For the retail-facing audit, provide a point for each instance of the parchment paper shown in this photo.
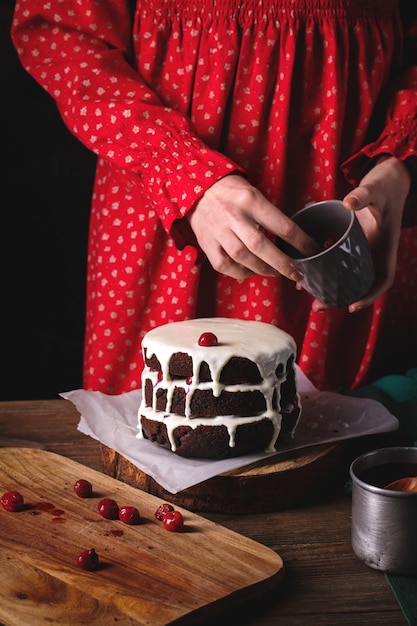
(326, 417)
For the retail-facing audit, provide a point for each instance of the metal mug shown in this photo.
(384, 522)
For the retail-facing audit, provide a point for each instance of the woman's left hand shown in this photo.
(378, 202)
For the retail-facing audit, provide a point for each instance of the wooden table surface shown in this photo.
(324, 582)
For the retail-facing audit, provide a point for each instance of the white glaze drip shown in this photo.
(231, 422)
(264, 344)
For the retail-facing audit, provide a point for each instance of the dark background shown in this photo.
(46, 184)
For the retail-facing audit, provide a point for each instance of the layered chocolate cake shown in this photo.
(218, 387)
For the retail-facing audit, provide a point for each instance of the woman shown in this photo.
(213, 123)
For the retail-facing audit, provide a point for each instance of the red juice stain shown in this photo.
(114, 533)
(44, 506)
(48, 507)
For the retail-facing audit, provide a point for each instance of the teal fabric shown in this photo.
(405, 591)
(404, 409)
(399, 388)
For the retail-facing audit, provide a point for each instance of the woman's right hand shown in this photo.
(230, 221)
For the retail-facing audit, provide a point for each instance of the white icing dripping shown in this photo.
(264, 344)
(231, 422)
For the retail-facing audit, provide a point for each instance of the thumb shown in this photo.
(357, 199)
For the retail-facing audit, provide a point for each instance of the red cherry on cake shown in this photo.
(207, 340)
(173, 521)
(88, 560)
(108, 508)
(162, 510)
(83, 488)
(129, 515)
(12, 501)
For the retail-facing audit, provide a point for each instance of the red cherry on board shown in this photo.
(108, 508)
(129, 515)
(83, 488)
(88, 560)
(162, 510)
(173, 521)
(12, 501)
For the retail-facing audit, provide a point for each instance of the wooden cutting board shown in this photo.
(147, 575)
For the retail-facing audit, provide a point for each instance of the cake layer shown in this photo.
(235, 371)
(203, 403)
(210, 440)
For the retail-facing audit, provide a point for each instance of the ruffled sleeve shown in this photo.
(79, 52)
(398, 128)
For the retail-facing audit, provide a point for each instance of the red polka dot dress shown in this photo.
(282, 91)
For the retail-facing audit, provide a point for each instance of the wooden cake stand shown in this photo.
(289, 480)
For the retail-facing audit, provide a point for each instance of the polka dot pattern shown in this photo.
(281, 91)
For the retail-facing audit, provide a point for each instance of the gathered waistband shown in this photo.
(349, 9)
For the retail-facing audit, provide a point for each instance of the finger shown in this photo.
(364, 302)
(382, 283)
(252, 248)
(318, 306)
(358, 199)
(352, 203)
(223, 264)
(280, 225)
(379, 288)
(256, 252)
